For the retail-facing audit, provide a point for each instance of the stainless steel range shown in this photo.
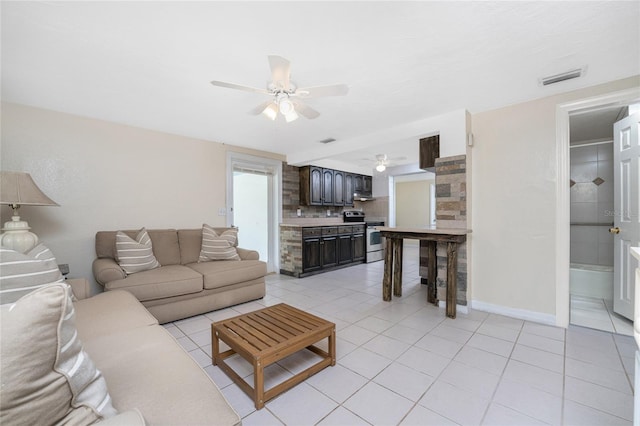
(374, 241)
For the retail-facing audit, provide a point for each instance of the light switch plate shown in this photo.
(222, 212)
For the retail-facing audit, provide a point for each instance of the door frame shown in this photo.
(275, 200)
(563, 111)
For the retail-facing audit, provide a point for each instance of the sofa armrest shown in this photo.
(80, 287)
(126, 418)
(246, 254)
(106, 270)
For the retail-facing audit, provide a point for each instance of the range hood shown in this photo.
(362, 196)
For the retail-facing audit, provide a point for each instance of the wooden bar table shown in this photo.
(393, 259)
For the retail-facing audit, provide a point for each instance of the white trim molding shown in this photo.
(523, 314)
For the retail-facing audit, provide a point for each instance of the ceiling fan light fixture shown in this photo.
(291, 116)
(286, 106)
(381, 167)
(271, 111)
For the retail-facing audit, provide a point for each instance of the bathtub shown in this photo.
(591, 280)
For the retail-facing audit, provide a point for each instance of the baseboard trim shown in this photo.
(459, 308)
(514, 312)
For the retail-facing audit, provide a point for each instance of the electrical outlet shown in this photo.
(299, 212)
(222, 212)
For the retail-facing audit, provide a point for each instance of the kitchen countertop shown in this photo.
(426, 230)
(307, 222)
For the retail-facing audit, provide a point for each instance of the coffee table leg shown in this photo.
(215, 346)
(332, 346)
(258, 384)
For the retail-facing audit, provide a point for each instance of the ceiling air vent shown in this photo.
(561, 77)
(328, 140)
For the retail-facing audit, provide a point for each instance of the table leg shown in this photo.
(452, 272)
(215, 343)
(388, 270)
(432, 273)
(397, 267)
(258, 384)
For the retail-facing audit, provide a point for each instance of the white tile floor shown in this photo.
(403, 362)
(598, 314)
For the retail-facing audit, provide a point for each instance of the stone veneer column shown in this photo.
(451, 212)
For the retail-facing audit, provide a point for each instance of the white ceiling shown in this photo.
(149, 64)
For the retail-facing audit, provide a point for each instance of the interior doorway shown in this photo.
(563, 220)
(592, 187)
(254, 204)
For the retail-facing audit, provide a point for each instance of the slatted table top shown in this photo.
(268, 330)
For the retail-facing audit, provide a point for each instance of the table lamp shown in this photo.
(18, 189)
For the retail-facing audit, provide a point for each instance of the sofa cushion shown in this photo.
(135, 255)
(191, 243)
(220, 274)
(165, 245)
(182, 394)
(166, 281)
(46, 374)
(218, 246)
(21, 273)
(110, 312)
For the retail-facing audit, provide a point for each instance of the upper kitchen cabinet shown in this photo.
(311, 185)
(328, 187)
(349, 189)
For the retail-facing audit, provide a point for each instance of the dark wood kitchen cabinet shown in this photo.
(349, 189)
(311, 249)
(358, 240)
(338, 188)
(328, 187)
(345, 245)
(311, 186)
(329, 247)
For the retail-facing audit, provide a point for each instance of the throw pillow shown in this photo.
(47, 377)
(21, 273)
(135, 255)
(218, 247)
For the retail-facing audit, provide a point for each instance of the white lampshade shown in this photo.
(271, 111)
(16, 189)
(293, 115)
(286, 107)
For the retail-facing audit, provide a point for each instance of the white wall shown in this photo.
(107, 176)
(514, 175)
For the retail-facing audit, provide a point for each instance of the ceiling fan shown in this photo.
(285, 95)
(382, 161)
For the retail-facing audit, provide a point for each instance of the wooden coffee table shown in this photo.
(266, 336)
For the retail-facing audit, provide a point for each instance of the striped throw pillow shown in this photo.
(218, 247)
(46, 374)
(135, 255)
(21, 273)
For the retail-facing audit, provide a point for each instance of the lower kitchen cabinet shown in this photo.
(324, 248)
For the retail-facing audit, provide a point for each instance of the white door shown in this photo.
(626, 152)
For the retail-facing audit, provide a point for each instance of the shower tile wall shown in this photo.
(592, 203)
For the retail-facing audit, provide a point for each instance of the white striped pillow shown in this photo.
(218, 247)
(21, 273)
(46, 374)
(135, 255)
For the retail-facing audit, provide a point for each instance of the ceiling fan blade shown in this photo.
(280, 71)
(239, 87)
(306, 110)
(320, 91)
(260, 108)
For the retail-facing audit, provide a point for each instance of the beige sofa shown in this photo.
(181, 287)
(145, 368)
